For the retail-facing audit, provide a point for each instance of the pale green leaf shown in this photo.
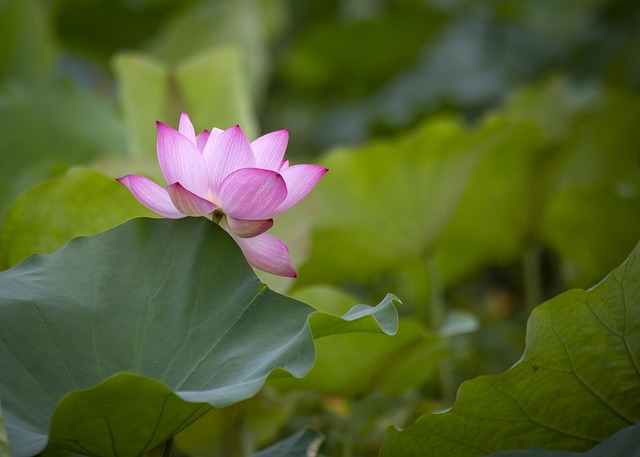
(216, 91)
(144, 98)
(49, 215)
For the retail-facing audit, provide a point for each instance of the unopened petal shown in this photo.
(248, 228)
(189, 203)
(151, 195)
(269, 149)
(252, 193)
(300, 179)
(201, 139)
(225, 153)
(186, 128)
(180, 160)
(266, 252)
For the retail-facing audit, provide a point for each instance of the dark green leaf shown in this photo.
(577, 383)
(621, 444)
(4, 444)
(151, 319)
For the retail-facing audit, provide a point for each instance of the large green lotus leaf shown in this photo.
(342, 368)
(387, 203)
(303, 443)
(153, 319)
(621, 444)
(577, 383)
(4, 444)
(43, 219)
(493, 217)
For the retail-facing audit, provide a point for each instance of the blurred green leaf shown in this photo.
(303, 443)
(243, 25)
(231, 431)
(216, 90)
(577, 383)
(342, 368)
(385, 204)
(96, 29)
(591, 228)
(49, 215)
(46, 128)
(385, 44)
(28, 49)
(211, 87)
(621, 444)
(595, 181)
(159, 318)
(494, 216)
(143, 94)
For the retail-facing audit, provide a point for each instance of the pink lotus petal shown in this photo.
(151, 195)
(252, 193)
(269, 149)
(186, 128)
(248, 228)
(201, 139)
(300, 179)
(189, 203)
(284, 165)
(266, 252)
(180, 160)
(225, 153)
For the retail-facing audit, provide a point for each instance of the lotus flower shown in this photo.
(222, 176)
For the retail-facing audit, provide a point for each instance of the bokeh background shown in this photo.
(484, 157)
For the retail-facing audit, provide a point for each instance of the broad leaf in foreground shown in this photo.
(621, 444)
(117, 341)
(577, 383)
(4, 446)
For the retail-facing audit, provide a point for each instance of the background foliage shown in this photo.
(484, 158)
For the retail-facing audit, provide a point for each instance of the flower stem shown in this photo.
(437, 308)
(167, 448)
(531, 277)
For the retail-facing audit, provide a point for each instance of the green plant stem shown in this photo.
(437, 310)
(531, 277)
(167, 448)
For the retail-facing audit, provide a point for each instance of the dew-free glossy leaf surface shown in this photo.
(164, 309)
(577, 383)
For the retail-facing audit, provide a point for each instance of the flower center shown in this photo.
(217, 215)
